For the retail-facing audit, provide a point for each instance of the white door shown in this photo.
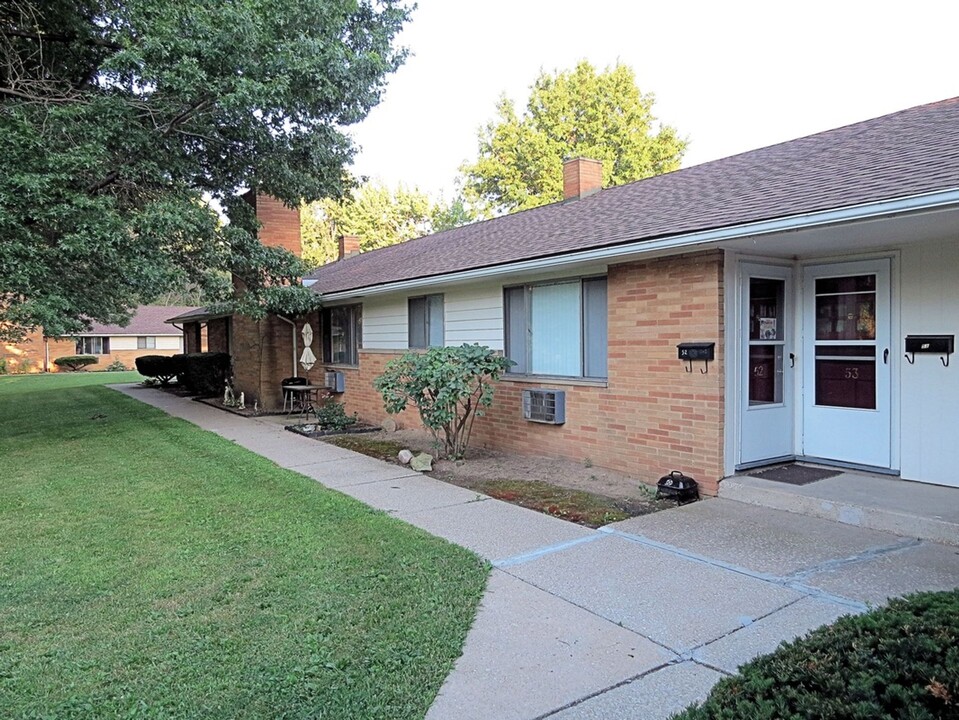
(767, 382)
(846, 365)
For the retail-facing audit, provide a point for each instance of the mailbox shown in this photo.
(937, 344)
(697, 351)
(941, 345)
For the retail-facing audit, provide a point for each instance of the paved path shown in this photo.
(639, 618)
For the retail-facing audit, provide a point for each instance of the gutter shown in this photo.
(928, 201)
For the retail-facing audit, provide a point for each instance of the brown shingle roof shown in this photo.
(147, 320)
(906, 153)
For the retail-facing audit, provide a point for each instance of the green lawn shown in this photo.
(152, 569)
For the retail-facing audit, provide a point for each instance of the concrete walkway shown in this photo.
(638, 619)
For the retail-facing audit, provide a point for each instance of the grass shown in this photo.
(150, 569)
(379, 449)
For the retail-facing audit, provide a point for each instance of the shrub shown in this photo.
(162, 367)
(331, 415)
(901, 661)
(205, 373)
(449, 386)
(116, 366)
(75, 362)
(3, 366)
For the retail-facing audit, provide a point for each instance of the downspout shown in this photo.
(293, 329)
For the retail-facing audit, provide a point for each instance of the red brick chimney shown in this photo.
(279, 225)
(581, 178)
(349, 245)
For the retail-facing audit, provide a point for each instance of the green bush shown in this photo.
(901, 661)
(3, 366)
(75, 362)
(116, 366)
(331, 415)
(162, 367)
(206, 373)
(449, 386)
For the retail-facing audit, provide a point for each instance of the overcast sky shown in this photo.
(730, 76)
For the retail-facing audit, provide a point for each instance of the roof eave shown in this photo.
(669, 243)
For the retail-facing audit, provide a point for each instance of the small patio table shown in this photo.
(303, 399)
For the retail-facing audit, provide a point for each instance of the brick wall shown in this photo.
(653, 416)
(127, 357)
(218, 335)
(29, 355)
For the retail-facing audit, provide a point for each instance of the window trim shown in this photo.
(326, 338)
(104, 344)
(146, 342)
(427, 320)
(583, 330)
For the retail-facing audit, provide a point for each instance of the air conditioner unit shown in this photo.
(335, 381)
(545, 406)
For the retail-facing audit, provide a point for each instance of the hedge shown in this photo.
(900, 661)
(162, 367)
(205, 373)
(75, 362)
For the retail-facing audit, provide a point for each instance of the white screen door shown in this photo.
(767, 397)
(846, 378)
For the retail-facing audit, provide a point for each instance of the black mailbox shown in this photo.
(938, 344)
(697, 351)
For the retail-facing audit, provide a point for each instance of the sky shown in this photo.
(730, 76)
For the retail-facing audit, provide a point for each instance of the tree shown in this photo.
(118, 118)
(603, 116)
(377, 215)
(454, 215)
(450, 386)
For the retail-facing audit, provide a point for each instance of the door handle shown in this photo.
(792, 360)
(885, 356)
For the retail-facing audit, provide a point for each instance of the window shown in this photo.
(93, 346)
(342, 334)
(557, 328)
(146, 343)
(426, 321)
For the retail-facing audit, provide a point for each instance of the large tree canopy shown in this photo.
(603, 116)
(118, 117)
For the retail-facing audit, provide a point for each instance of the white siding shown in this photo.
(122, 342)
(384, 323)
(475, 315)
(472, 314)
(169, 343)
(930, 392)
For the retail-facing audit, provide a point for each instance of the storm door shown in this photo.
(846, 368)
(767, 392)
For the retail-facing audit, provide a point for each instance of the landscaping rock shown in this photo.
(389, 425)
(422, 462)
(404, 456)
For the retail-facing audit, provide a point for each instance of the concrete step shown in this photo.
(910, 509)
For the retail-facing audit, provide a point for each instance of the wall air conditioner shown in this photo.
(335, 381)
(544, 406)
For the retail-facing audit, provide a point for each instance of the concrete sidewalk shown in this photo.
(639, 618)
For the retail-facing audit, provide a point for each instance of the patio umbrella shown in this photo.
(307, 359)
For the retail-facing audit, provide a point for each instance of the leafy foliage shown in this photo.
(116, 366)
(376, 214)
(75, 362)
(449, 386)
(901, 661)
(205, 373)
(331, 415)
(162, 367)
(118, 118)
(603, 116)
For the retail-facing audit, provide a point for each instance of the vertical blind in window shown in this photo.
(558, 328)
(426, 327)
